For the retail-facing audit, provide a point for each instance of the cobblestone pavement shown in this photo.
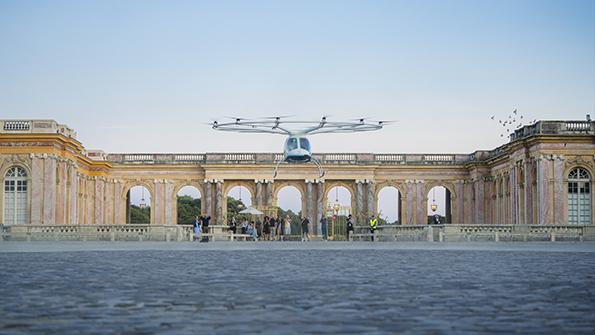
(294, 288)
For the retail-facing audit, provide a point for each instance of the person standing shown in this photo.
(273, 224)
(196, 226)
(266, 228)
(305, 230)
(233, 225)
(349, 227)
(373, 225)
(323, 227)
(258, 227)
(205, 227)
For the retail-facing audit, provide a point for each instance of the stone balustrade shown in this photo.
(432, 233)
(35, 127)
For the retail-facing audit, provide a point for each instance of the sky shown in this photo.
(145, 76)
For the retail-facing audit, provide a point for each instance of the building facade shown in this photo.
(542, 176)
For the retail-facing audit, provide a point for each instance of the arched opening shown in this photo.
(15, 196)
(138, 205)
(289, 205)
(389, 205)
(439, 205)
(187, 204)
(338, 207)
(238, 199)
(579, 197)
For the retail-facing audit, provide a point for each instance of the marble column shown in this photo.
(89, 200)
(459, 189)
(320, 206)
(513, 195)
(543, 190)
(497, 202)
(208, 198)
(219, 202)
(421, 204)
(409, 200)
(37, 164)
(73, 215)
(359, 202)
(527, 191)
(479, 201)
(117, 202)
(108, 216)
(258, 196)
(98, 201)
(61, 192)
(169, 203)
(469, 199)
(49, 190)
(560, 202)
(370, 199)
(157, 202)
(269, 194)
(310, 204)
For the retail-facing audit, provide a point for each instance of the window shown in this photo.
(15, 196)
(292, 143)
(579, 197)
(305, 144)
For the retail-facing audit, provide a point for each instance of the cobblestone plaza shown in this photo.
(295, 288)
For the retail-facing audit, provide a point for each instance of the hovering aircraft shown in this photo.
(297, 148)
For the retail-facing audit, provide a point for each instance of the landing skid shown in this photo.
(315, 161)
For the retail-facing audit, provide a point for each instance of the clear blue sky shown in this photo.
(143, 76)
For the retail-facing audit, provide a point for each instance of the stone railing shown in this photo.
(477, 232)
(128, 232)
(271, 158)
(554, 128)
(432, 233)
(35, 127)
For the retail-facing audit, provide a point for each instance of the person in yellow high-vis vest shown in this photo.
(373, 225)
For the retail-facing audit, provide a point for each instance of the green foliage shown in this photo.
(234, 207)
(140, 215)
(188, 208)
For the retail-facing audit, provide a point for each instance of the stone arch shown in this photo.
(227, 187)
(451, 206)
(397, 185)
(329, 185)
(126, 187)
(300, 186)
(179, 185)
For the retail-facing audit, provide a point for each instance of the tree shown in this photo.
(140, 215)
(234, 207)
(188, 208)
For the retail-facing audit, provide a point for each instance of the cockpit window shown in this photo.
(305, 144)
(292, 143)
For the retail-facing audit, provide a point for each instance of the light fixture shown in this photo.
(434, 206)
(143, 203)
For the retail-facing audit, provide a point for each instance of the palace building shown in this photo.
(543, 176)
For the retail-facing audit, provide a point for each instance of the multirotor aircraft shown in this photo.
(297, 147)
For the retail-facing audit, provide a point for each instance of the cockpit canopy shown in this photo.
(294, 143)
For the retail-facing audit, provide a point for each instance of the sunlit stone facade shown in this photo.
(526, 181)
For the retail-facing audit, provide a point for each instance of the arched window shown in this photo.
(15, 196)
(579, 197)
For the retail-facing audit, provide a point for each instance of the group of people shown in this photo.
(200, 226)
(269, 229)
